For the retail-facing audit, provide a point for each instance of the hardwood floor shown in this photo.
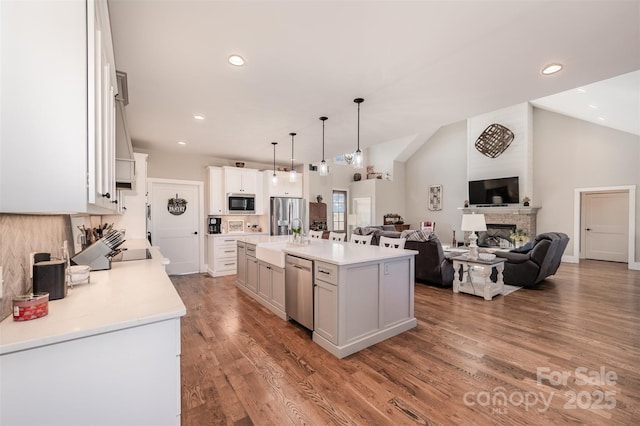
(469, 361)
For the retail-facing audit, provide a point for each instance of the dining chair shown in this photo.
(315, 234)
(361, 239)
(336, 236)
(392, 242)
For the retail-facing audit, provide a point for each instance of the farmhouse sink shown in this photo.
(271, 253)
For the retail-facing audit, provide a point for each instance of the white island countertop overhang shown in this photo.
(336, 253)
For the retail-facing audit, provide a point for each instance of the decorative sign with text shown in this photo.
(177, 206)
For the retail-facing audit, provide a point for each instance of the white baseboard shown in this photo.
(570, 259)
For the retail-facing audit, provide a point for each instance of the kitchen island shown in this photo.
(108, 353)
(362, 294)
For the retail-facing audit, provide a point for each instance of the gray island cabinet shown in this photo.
(362, 294)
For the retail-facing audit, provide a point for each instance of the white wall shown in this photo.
(567, 154)
(517, 160)
(570, 154)
(382, 157)
(442, 160)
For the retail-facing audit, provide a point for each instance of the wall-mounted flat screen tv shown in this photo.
(494, 191)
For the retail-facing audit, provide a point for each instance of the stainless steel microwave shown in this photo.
(241, 203)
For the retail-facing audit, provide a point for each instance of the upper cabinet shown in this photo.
(240, 181)
(283, 188)
(233, 180)
(216, 195)
(58, 108)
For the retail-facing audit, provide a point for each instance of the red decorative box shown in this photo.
(30, 306)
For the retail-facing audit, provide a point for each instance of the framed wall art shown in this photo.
(235, 226)
(435, 197)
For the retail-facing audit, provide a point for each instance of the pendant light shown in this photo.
(357, 156)
(324, 168)
(274, 177)
(292, 172)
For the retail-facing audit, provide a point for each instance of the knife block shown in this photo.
(95, 256)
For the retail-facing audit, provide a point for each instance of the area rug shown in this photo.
(508, 289)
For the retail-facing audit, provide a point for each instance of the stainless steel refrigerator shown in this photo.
(283, 210)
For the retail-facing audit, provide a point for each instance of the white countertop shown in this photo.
(265, 238)
(345, 253)
(238, 234)
(129, 294)
(337, 253)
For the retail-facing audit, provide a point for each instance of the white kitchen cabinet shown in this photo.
(109, 352)
(277, 288)
(241, 277)
(264, 280)
(222, 255)
(325, 300)
(271, 285)
(260, 201)
(252, 269)
(129, 376)
(283, 188)
(261, 280)
(239, 180)
(216, 191)
(58, 108)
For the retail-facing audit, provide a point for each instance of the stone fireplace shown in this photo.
(503, 220)
(496, 235)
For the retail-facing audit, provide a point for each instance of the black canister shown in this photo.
(49, 277)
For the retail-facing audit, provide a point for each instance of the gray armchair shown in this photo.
(431, 265)
(528, 269)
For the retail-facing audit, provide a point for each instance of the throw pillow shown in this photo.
(524, 249)
(416, 235)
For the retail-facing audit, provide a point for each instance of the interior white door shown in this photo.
(173, 230)
(606, 226)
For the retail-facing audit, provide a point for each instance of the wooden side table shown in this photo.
(486, 288)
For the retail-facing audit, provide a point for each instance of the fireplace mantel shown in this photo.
(522, 217)
(501, 210)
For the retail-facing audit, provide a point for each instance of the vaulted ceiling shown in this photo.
(419, 65)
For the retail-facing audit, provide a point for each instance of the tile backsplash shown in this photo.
(21, 235)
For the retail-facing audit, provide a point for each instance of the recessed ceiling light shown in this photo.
(236, 60)
(601, 118)
(592, 106)
(581, 90)
(551, 69)
(198, 116)
(182, 143)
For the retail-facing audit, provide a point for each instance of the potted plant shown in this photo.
(525, 201)
(519, 237)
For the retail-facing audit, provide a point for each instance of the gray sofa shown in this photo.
(541, 261)
(431, 265)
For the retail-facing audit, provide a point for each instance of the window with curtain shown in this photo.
(339, 211)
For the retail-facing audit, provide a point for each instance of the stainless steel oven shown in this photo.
(241, 203)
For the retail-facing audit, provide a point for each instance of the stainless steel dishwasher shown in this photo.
(298, 284)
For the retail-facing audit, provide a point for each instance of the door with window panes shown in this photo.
(339, 219)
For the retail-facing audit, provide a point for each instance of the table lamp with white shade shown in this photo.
(352, 219)
(473, 222)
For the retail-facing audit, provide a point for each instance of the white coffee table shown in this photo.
(486, 288)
